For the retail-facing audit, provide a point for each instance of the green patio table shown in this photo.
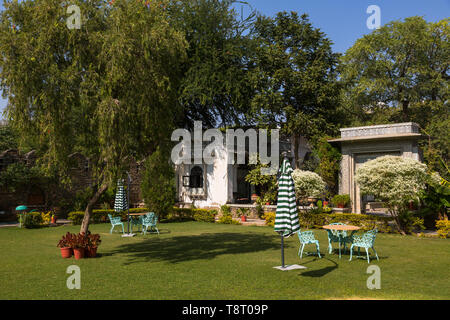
(339, 227)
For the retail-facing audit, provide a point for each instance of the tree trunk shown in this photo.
(90, 205)
(405, 110)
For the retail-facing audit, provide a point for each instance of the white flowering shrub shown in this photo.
(393, 180)
(307, 184)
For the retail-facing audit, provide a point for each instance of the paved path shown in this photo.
(16, 224)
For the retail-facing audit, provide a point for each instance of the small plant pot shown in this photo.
(91, 252)
(341, 206)
(66, 252)
(78, 253)
(243, 218)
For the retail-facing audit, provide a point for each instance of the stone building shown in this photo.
(362, 144)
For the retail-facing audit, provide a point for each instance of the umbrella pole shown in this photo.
(282, 251)
(128, 215)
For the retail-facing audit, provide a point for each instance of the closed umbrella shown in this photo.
(120, 202)
(286, 218)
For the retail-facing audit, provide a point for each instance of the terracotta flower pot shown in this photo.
(78, 253)
(66, 252)
(91, 252)
(243, 218)
(341, 206)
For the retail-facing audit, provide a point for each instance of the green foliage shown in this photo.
(400, 64)
(341, 199)
(227, 216)
(295, 76)
(108, 90)
(270, 218)
(267, 184)
(18, 177)
(366, 222)
(436, 198)
(243, 212)
(410, 221)
(8, 138)
(329, 162)
(443, 228)
(216, 73)
(174, 215)
(31, 219)
(158, 184)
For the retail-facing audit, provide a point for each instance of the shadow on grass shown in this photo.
(320, 272)
(195, 247)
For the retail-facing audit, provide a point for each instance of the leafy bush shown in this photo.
(32, 219)
(204, 215)
(270, 218)
(307, 184)
(341, 199)
(175, 214)
(395, 181)
(243, 212)
(443, 228)
(227, 216)
(158, 184)
(366, 222)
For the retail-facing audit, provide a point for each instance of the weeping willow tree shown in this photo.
(106, 90)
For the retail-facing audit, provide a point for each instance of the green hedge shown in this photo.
(31, 219)
(311, 220)
(366, 222)
(176, 214)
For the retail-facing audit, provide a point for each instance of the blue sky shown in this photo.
(344, 21)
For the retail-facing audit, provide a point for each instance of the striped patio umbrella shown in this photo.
(120, 202)
(286, 218)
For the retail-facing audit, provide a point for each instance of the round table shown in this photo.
(340, 227)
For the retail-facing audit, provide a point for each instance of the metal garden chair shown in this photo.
(365, 241)
(337, 236)
(149, 220)
(307, 237)
(115, 221)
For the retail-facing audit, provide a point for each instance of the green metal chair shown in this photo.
(337, 236)
(149, 220)
(307, 237)
(115, 221)
(365, 241)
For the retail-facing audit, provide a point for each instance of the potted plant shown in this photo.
(341, 200)
(243, 212)
(79, 245)
(93, 243)
(66, 245)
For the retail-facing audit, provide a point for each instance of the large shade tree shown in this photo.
(400, 72)
(215, 87)
(106, 90)
(294, 74)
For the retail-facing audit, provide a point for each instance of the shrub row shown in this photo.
(176, 214)
(443, 228)
(310, 220)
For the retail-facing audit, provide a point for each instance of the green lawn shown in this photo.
(196, 260)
